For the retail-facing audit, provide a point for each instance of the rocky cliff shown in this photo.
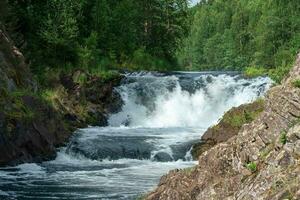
(29, 128)
(33, 123)
(261, 162)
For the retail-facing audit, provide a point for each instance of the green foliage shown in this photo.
(100, 33)
(266, 151)
(294, 122)
(80, 78)
(251, 166)
(234, 34)
(49, 95)
(238, 119)
(88, 53)
(52, 30)
(252, 72)
(14, 106)
(277, 74)
(56, 98)
(3, 11)
(49, 77)
(141, 60)
(154, 35)
(105, 74)
(283, 138)
(296, 83)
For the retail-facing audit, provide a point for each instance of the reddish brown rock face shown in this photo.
(261, 162)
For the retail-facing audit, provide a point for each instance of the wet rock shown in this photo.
(94, 95)
(162, 157)
(180, 150)
(32, 139)
(112, 147)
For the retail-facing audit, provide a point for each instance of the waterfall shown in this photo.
(162, 117)
(185, 100)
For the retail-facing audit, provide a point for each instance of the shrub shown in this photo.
(276, 74)
(14, 107)
(283, 138)
(141, 59)
(279, 73)
(266, 151)
(252, 166)
(51, 96)
(80, 78)
(104, 74)
(244, 115)
(252, 72)
(296, 83)
(237, 120)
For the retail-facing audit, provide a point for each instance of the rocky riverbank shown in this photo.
(228, 126)
(260, 162)
(34, 122)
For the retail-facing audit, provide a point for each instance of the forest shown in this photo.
(99, 33)
(257, 36)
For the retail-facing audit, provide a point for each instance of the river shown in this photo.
(162, 117)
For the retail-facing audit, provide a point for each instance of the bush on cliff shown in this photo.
(276, 74)
(251, 72)
(296, 83)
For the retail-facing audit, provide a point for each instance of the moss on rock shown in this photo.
(229, 125)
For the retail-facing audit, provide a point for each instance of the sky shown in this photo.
(194, 2)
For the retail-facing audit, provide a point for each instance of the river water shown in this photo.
(162, 117)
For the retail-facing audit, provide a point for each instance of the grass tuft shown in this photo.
(296, 83)
(283, 138)
(252, 72)
(252, 166)
(247, 116)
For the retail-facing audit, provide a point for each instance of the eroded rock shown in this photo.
(222, 170)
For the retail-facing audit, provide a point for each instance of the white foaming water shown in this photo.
(162, 117)
(172, 106)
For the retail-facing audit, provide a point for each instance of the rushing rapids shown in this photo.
(162, 117)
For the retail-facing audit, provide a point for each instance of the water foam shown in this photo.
(152, 101)
(163, 114)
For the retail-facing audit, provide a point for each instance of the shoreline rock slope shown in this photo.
(261, 162)
(31, 128)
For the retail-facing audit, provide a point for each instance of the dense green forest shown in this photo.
(157, 35)
(103, 34)
(235, 34)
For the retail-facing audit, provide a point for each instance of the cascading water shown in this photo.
(162, 117)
